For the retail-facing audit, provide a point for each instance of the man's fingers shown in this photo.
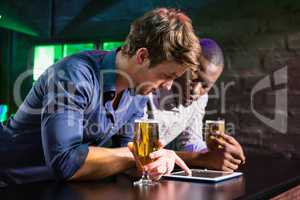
(227, 169)
(236, 145)
(235, 151)
(231, 165)
(161, 143)
(224, 138)
(182, 165)
(239, 156)
(233, 160)
(170, 167)
(161, 169)
(157, 154)
(164, 163)
(154, 164)
(221, 142)
(212, 144)
(229, 139)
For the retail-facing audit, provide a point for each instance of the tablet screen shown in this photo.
(203, 173)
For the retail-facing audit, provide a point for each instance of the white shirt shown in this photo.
(180, 127)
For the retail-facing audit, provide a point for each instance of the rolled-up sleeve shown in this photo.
(68, 91)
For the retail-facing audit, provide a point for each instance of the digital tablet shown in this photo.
(204, 175)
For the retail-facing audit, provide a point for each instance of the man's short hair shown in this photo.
(212, 52)
(168, 35)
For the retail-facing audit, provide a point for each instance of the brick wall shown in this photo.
(256, 46)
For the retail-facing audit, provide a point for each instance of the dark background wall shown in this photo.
(264, 39)
(258, 38)
(16, 58)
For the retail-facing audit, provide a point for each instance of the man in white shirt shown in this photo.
(180, 112)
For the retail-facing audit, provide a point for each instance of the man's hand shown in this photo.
(221, 160)
(228, 157)
(164, 162)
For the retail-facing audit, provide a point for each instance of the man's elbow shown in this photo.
(64, 170)
(67, 164)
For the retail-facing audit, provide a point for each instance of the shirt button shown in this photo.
(113, 128)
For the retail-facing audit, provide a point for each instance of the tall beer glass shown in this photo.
(213, 129)
(145, 141)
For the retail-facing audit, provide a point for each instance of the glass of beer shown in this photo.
(145, 142)
(213, 129)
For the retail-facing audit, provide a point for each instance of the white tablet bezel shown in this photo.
(217, 179)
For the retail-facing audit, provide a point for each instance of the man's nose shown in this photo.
(167, 85)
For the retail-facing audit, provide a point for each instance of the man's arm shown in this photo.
(103, 162)
(190, 144)
(66, 153)
(211, 160)
(228, 158)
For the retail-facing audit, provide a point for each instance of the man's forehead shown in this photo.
(210, 69)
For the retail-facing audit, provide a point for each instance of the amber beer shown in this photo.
(213, 128)
(145, 139)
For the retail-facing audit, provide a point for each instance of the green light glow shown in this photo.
(3, 112)
(107, 46)
(43, 58)
(70, 49)
(16, 24)
(47, 55)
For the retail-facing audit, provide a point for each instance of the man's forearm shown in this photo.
(218, 160)
(103, 162)
(194, 159)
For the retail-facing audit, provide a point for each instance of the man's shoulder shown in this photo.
(88, 59)
(91, 54)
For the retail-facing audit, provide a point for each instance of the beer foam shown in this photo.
(145, 121)
(214, 121)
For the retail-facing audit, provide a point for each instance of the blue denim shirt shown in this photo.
(68, 109)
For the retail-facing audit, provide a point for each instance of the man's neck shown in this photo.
(123, 71)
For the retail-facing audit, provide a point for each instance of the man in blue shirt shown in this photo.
(78, 105)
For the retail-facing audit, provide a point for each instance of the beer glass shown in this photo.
(145, 141)
(213, 129)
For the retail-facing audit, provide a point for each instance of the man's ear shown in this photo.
(142, 56)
